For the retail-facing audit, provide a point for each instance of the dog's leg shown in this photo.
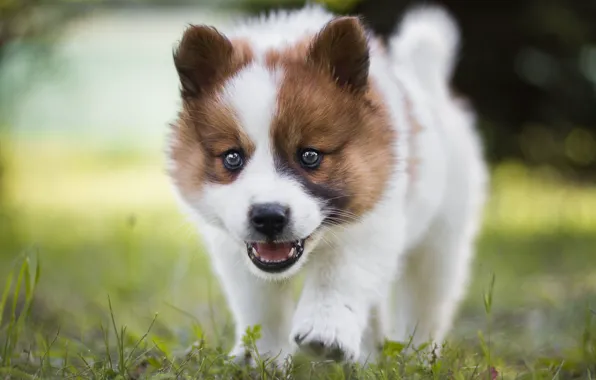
(342, 287)
(254, 301)
(432, 284)
(375, 334)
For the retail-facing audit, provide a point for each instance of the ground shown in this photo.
(95, 239)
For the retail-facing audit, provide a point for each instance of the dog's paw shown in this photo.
(332, 336)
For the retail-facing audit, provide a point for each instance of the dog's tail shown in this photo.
(425, 44)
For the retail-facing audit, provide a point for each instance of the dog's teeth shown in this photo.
(255, 252)
(291, 253)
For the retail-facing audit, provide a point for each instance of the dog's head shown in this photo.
(277, 146)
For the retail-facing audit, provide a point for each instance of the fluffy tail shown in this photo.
(426, 44)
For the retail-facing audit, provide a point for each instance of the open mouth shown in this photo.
(275, 257)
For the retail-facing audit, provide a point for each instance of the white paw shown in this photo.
(329, 332)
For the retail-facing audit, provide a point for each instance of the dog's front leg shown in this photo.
(255, 301)
(252, 301)
(342, 286)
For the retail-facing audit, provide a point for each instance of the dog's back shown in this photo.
(448, 177)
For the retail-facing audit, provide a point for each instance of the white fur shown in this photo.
(427, 40)
(258, 182)
(444, 210)
(403, 266)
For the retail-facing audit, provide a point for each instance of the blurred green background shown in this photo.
(87, 89)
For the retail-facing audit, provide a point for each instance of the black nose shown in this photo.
(269, 218)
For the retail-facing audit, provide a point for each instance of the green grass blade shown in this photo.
(44, 359)
(141, 339)
(29, 291)
(27, 276)
(106, 341)
(12, 330)
(119, 340)
(7, 287)
(14, 373)
(17, 290)
(37, 272)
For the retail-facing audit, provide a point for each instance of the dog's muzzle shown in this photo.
(275, 257)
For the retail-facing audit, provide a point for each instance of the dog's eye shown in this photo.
(233, 160)
(310, 158)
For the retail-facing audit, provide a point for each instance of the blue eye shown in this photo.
(310, 158)
(233, 160)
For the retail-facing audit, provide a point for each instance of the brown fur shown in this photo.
(326, 102)
(341, 50)
(293, 54)
(206, 128)
(205, 58)
(334, 112)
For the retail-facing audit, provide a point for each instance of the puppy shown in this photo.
(306, 145)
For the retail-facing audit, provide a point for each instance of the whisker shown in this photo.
(337, 214)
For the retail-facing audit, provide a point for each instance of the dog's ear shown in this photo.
(202, 59)
(341, 49)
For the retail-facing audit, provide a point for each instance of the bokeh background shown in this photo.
(87, 89)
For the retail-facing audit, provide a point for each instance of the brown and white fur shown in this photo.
(304, 145)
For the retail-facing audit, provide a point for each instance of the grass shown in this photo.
(101, 277)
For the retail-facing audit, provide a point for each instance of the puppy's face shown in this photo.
(277, 148)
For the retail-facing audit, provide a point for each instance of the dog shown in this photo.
(307, 145)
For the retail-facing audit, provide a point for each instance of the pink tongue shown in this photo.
(273, 251)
